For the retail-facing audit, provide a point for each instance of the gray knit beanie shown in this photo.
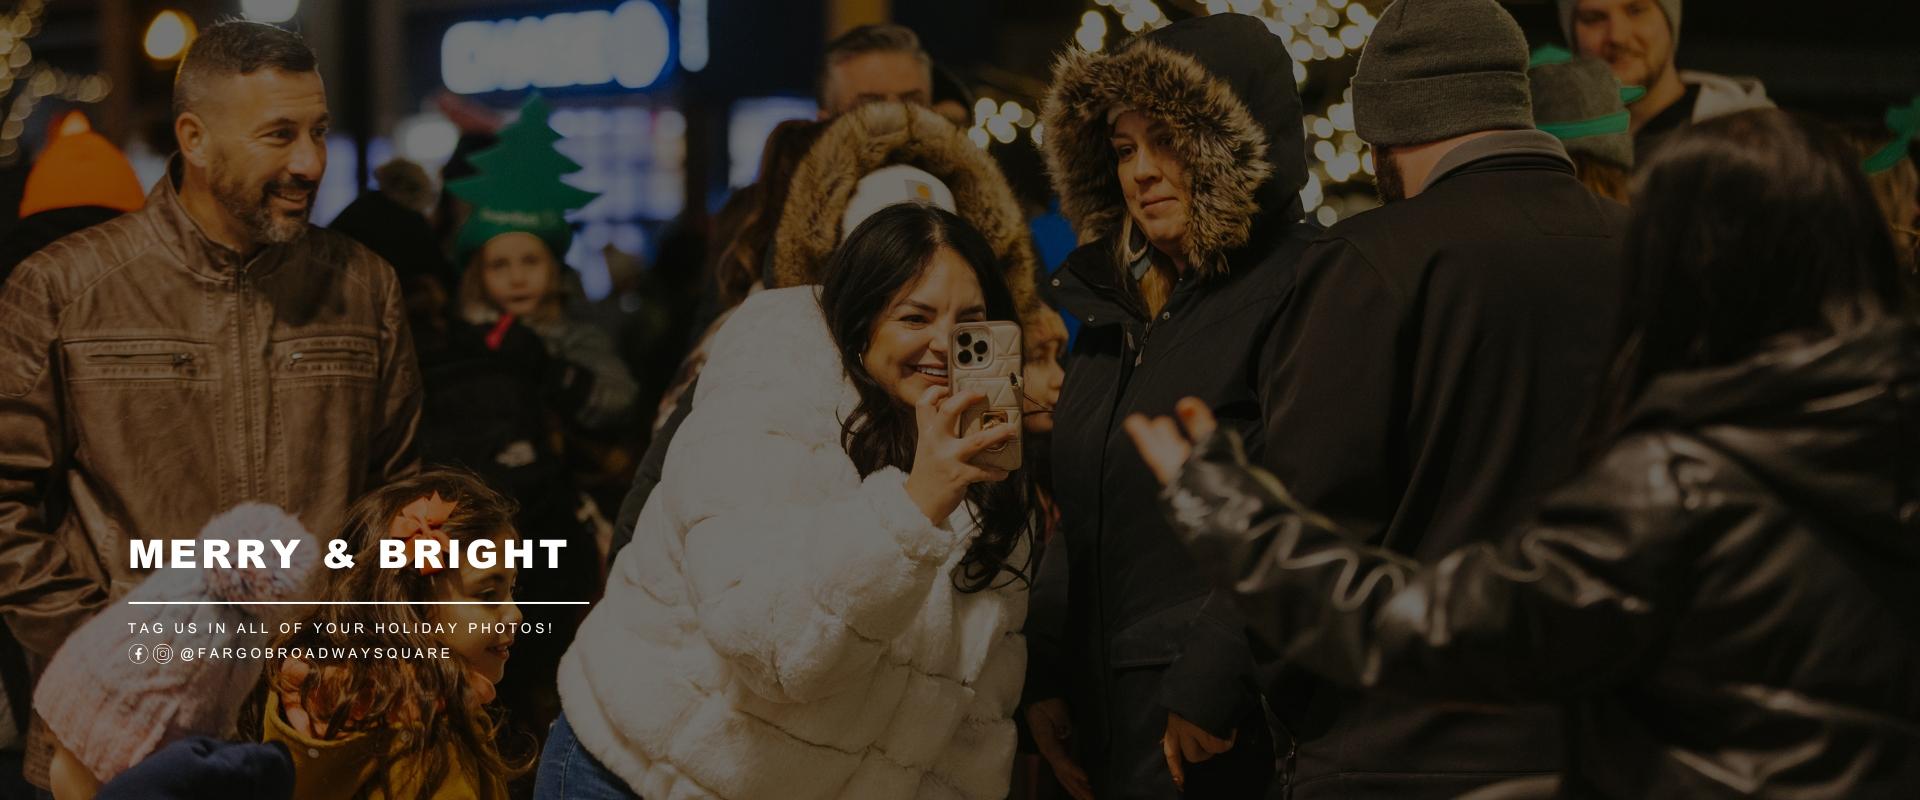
(1671, 7)
(1579, 101)
(1436, 69)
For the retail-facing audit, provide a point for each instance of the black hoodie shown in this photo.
(1724, 602)
(1122, 623)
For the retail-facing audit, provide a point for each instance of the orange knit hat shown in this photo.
(80, 168)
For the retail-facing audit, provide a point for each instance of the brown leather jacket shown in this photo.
(151, 378)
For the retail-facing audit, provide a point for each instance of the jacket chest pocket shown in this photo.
(325, 399)
(149, 361)
(147, 407)
(324, 383)
(326, 359)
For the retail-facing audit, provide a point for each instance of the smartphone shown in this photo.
(986, 357)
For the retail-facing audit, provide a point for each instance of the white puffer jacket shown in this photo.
(780, 628)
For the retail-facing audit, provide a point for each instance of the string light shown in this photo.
(34, 80)
(1092, 34)
(996, 121)
(168, 35)
(269, 11)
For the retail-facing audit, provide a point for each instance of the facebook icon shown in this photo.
(137, 653)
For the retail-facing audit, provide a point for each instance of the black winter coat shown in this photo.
(1724, 601)
(1122, 624)
(1437, 366)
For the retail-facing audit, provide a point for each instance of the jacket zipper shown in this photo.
(170, 359)
(1125, 381)
(326, 355)
(1127, 368)
(244, 313)
(1140, 350)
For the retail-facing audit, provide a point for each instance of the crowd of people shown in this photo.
(1583, 466)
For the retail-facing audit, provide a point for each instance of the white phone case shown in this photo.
(987, 357)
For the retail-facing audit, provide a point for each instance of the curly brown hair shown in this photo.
(347, 697)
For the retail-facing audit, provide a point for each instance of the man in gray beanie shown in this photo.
(1638, 39)
(1436, 367)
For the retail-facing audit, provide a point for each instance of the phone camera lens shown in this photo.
(980, 347)
(965, 357)
(966, 339)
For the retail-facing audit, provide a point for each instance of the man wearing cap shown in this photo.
(1638, 39)
(1442, 352)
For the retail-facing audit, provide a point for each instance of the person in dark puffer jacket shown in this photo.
(1179, 159)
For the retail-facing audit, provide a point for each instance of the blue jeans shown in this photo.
(569, 772)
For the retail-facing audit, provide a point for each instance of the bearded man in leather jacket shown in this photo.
(208, 349)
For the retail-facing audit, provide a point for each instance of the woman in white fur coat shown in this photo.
(823, 598)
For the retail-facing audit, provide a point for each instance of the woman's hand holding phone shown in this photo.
(941, 473)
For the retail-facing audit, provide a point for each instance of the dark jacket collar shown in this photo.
(1088, 286)
(1530, 145)
(1092, 286)
(180, 233)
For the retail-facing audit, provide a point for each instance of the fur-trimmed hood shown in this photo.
(878, 135)
(1224, 84)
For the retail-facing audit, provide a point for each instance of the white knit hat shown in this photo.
(109, 698)
(892, 185)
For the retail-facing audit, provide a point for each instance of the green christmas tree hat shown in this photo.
(517, 188)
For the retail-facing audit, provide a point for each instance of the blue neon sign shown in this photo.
(631, 46)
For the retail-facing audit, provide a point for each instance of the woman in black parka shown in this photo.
(1724, 601)
(1179, 160)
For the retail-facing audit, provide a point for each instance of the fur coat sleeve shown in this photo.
(799, 572)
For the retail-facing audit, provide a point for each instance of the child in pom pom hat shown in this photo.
(108, 697)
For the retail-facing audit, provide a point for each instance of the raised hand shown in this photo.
(941, 472)
(1163, 446)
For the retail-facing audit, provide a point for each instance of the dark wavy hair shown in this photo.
(887, 254)
(1748, 231)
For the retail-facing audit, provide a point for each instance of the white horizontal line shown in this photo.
(354, 602)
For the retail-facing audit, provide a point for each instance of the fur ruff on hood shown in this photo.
(881, 134)
(1224, 86)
